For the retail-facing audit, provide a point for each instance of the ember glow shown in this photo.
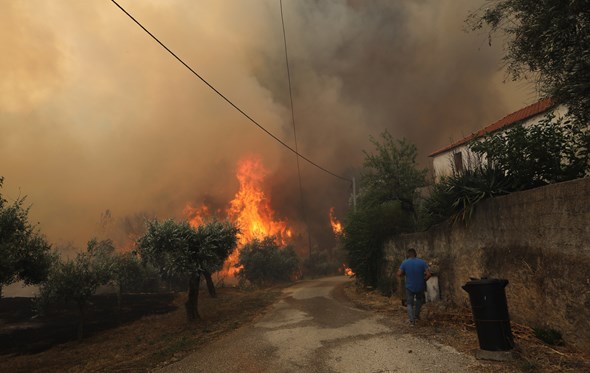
(335, 223)
(250, 209)
(346, 270)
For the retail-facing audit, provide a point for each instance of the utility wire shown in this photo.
(303, 210)
(228, 100)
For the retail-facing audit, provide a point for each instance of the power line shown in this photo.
(303, 210)
(228, 100)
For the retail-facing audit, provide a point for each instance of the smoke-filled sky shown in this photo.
(94, 115)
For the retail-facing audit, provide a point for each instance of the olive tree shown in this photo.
(25, 255)
(547, 40)
(72, 280)
(177, 249)
(121, 270)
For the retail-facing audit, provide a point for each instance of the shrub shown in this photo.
(263, 262)
(457, 196)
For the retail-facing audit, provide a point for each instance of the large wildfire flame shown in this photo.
(250, 209)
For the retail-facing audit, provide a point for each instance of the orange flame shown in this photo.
(346, 270)
(197, 215)
(250, 210)
(336, 225)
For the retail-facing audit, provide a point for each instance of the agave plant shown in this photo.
(457, 196)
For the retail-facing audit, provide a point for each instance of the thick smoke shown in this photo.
(94, 115)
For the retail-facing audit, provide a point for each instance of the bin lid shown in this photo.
(486, 281)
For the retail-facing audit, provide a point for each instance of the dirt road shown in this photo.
(313, 328)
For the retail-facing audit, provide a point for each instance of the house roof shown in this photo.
(522, 114)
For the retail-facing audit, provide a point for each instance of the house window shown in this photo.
(458, 161)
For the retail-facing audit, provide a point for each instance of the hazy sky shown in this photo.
(94, 115)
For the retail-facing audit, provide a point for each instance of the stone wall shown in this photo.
(538, 239)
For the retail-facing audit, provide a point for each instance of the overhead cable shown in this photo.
(228, 100)
(303, 210)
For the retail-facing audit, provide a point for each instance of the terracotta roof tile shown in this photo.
(522, 114)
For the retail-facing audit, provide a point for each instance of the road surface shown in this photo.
(314, 329)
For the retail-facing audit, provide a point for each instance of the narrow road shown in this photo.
(313, 328)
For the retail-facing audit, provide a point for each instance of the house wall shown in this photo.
(537, 239)
(443, 162)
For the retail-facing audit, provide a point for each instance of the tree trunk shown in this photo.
(210, 285)
(192, 302)
(81, 315)
(119, 296)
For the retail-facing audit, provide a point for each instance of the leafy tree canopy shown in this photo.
(177, 249)
(550, 151)
(25, 255)
(385, 205)
(391, 172)
(548, 39)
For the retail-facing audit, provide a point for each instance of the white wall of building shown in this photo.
(444, 164)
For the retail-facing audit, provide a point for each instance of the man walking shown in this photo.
(416, 272)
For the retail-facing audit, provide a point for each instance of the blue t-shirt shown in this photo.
(414, 269)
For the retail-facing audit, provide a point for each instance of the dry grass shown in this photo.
(151, 341)
(454, 326)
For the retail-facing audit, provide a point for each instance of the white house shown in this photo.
(457, 155)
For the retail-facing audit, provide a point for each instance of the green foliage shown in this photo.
(218, 240)
(72, 280)
(390, 173)
(366, 232)
(456, 196)
(25, 255)
(519, 158)
(124, 271)
(385, 205)
(179, 249)
(263, 262)
(549, 40)
(550, 151)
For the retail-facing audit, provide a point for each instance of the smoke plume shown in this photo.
(95, 116)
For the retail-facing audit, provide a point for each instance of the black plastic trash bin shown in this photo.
(490, 313)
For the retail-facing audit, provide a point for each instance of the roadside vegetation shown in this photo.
(550, 151)
(264, 262)
(25, 254)
(386, 205)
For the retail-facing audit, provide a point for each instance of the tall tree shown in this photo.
(177, 249)
(25, 255)
(548, 40)
(391, 173)
(385, 205)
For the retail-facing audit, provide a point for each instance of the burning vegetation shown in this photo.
(250, 210)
